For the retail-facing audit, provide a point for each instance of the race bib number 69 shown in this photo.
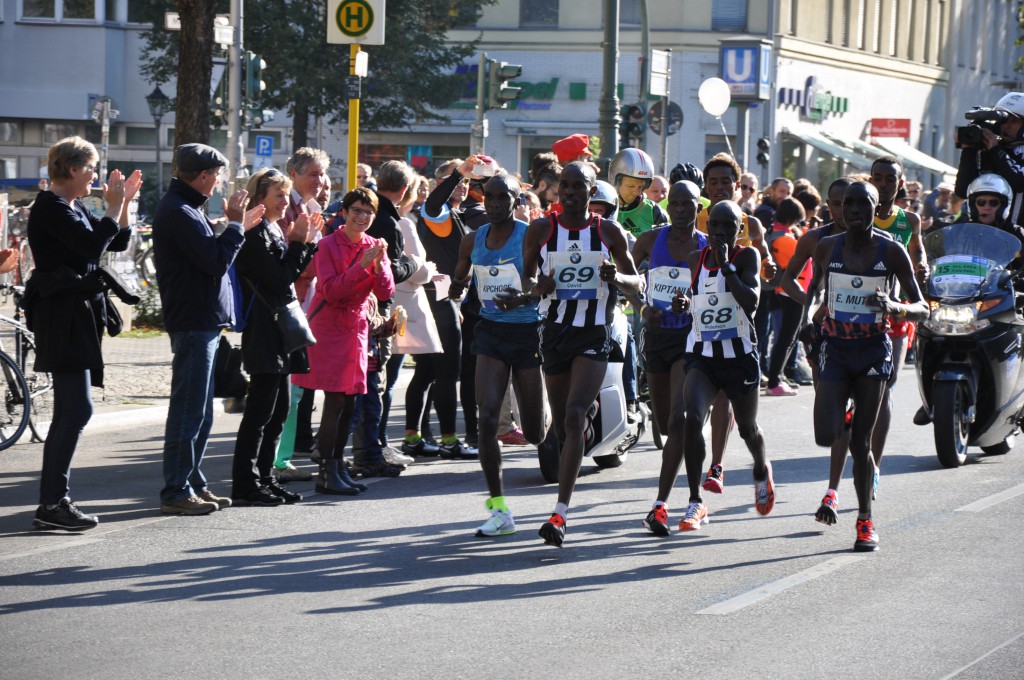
(576, 275)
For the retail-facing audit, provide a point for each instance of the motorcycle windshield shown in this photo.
(963, 256)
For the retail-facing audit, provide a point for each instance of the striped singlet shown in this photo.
(580, 298)
(721, 328)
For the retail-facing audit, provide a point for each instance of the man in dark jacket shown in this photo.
(778, 191)
(195, 292)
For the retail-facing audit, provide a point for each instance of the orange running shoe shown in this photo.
(828, 513)
(657, 521)
(764, 492)
(553, 531)
(715, 481)
(696, 514)
(867, 539)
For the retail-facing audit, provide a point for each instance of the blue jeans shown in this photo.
(394, 367)
(366, 446)
(190, 413)
(72, 408)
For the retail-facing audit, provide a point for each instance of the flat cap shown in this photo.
(197, 157)
(572, 147)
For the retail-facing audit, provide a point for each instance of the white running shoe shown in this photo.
(501, 523)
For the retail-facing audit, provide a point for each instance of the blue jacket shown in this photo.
(192, 262)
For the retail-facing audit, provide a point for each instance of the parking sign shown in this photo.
(264, 145)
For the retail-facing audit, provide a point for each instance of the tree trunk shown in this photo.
(195, 69)
(300, 126)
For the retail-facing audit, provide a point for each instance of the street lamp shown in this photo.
(158, 103)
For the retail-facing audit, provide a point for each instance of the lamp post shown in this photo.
(158, 104)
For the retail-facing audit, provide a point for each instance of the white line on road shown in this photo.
(984, 656)
(764, 592)
(989, 501)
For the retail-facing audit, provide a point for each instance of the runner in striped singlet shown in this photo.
(568, 259)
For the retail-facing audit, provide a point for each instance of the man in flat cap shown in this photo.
(191, 270)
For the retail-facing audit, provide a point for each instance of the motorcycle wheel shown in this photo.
(1001, 448)
(950, 427)
(549, 456)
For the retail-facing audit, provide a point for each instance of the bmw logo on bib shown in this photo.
(673, 273)
(493, 271)
(713, 300)
(857, 282)
(575, 258)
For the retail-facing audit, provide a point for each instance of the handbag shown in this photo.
(292, 325)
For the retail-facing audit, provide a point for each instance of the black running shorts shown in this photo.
(561, 343)
(516, 344)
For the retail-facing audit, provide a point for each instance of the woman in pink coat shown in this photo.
(349, 266)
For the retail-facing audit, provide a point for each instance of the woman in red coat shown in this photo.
(349, 266)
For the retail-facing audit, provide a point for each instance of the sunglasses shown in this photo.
(987, 202)
(746, 187)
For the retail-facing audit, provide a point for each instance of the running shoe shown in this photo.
(715, 481)
(764, 492)
(657, 521)
(459, 449)
(828, 513)
(420, 448)
(513, 437)
(867, 538)
(396, 457)
(553, 531)
(874, 484)
(501, 523)
(696, 514)
(780, 390)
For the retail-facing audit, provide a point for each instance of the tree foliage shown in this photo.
(410, 77)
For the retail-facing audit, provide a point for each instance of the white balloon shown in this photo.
(714, 96)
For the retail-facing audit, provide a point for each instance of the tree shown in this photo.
(410, 77)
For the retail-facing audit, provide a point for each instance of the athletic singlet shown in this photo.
(721, 328)
(897, 225)
(641, 218)
(665, 275)
(742, 238)
(496, 270)
(580, 297)
(847, 292)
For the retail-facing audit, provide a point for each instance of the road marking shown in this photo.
(984, 656)
(764, 592)
(49, 548)
(989, 501)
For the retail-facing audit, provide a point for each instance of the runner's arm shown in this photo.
(745, 284)
(533, 283)
(915, 309)
(463, 268)
(625, 277)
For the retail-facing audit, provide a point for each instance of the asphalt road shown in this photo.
(393, 584)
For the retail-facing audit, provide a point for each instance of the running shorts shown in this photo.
(561, 343)
(662, 347)
(515, 344)
(843, 360)
(736, 377)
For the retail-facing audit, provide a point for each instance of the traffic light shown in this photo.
(631, 126)
(763, 147)
(253, 66)
(498, 92)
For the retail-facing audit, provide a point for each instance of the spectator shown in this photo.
(658, 190)
(66, 313)
(786, 312)
(572, 148)
(268, 265)
(810, 199)
(748, 193)
(937, 203)
(365, 178)
(195, 291)
(544, 173)
(779, 189)
(350, 264)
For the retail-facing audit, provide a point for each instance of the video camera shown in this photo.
(970, 136)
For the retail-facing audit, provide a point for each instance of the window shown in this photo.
(42, 9)
(136, 13)
(94, 134)
(846, 22)
(59, 10)
(876, 37)
(10, 132)
(729, 15)
(110, 10)
(861, 21)
(79, 9)
(629, 12)
(140, 136)
(8, 169)
(54, 132)
(538, 14)
(794, 10)
(894, 14)
(830, 9)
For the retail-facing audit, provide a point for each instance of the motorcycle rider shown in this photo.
(858, 268)
(560, 250)
(631, 172)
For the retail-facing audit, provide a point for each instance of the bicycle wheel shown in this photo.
(14, 411)
(40, 390)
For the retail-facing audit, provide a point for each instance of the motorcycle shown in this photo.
(970, 349)
(609, 435)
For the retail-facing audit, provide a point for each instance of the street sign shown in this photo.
(264, 146)
(352, 87)
(675, 118)
(747, 68)
(355, 21)
(661, 69)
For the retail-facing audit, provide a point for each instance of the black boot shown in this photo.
(347, 478)
(330, 482)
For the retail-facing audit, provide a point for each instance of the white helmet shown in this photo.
(989, 183)
(1012, 103)
(605, 193)
(631, 163)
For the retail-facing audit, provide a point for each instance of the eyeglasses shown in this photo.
(746, 187)
(359, 212)
(987, 202)
(89, 168)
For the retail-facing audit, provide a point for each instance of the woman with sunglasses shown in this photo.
(747, 197)
(268, 265)
(349, 266)
(67, 242)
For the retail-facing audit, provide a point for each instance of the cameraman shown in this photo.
(1002, 154)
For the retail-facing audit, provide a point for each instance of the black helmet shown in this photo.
(687, 172)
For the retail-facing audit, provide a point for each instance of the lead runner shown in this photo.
(582, 255)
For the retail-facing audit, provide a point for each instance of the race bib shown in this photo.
(717, 317)
(960, 269)
(492, 279)
(850, 295)
(662, 284)
(576, 275)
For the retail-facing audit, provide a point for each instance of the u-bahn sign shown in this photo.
(355, 21)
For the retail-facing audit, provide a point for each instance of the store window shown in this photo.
(140, 136)
(8, 168)
(10, 132)
(538, 14)
(729, 15)
(54, 132)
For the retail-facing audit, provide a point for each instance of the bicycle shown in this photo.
(38, 384)
(14, 409)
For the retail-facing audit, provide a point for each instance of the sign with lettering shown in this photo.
(890, 127)
(355, 21)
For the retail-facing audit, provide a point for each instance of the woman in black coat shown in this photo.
(66, 311)
(268, 265)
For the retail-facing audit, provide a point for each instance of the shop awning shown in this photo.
(860, 147)
(902, 150)
(831, 148)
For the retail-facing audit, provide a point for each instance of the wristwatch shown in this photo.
(729, 268)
